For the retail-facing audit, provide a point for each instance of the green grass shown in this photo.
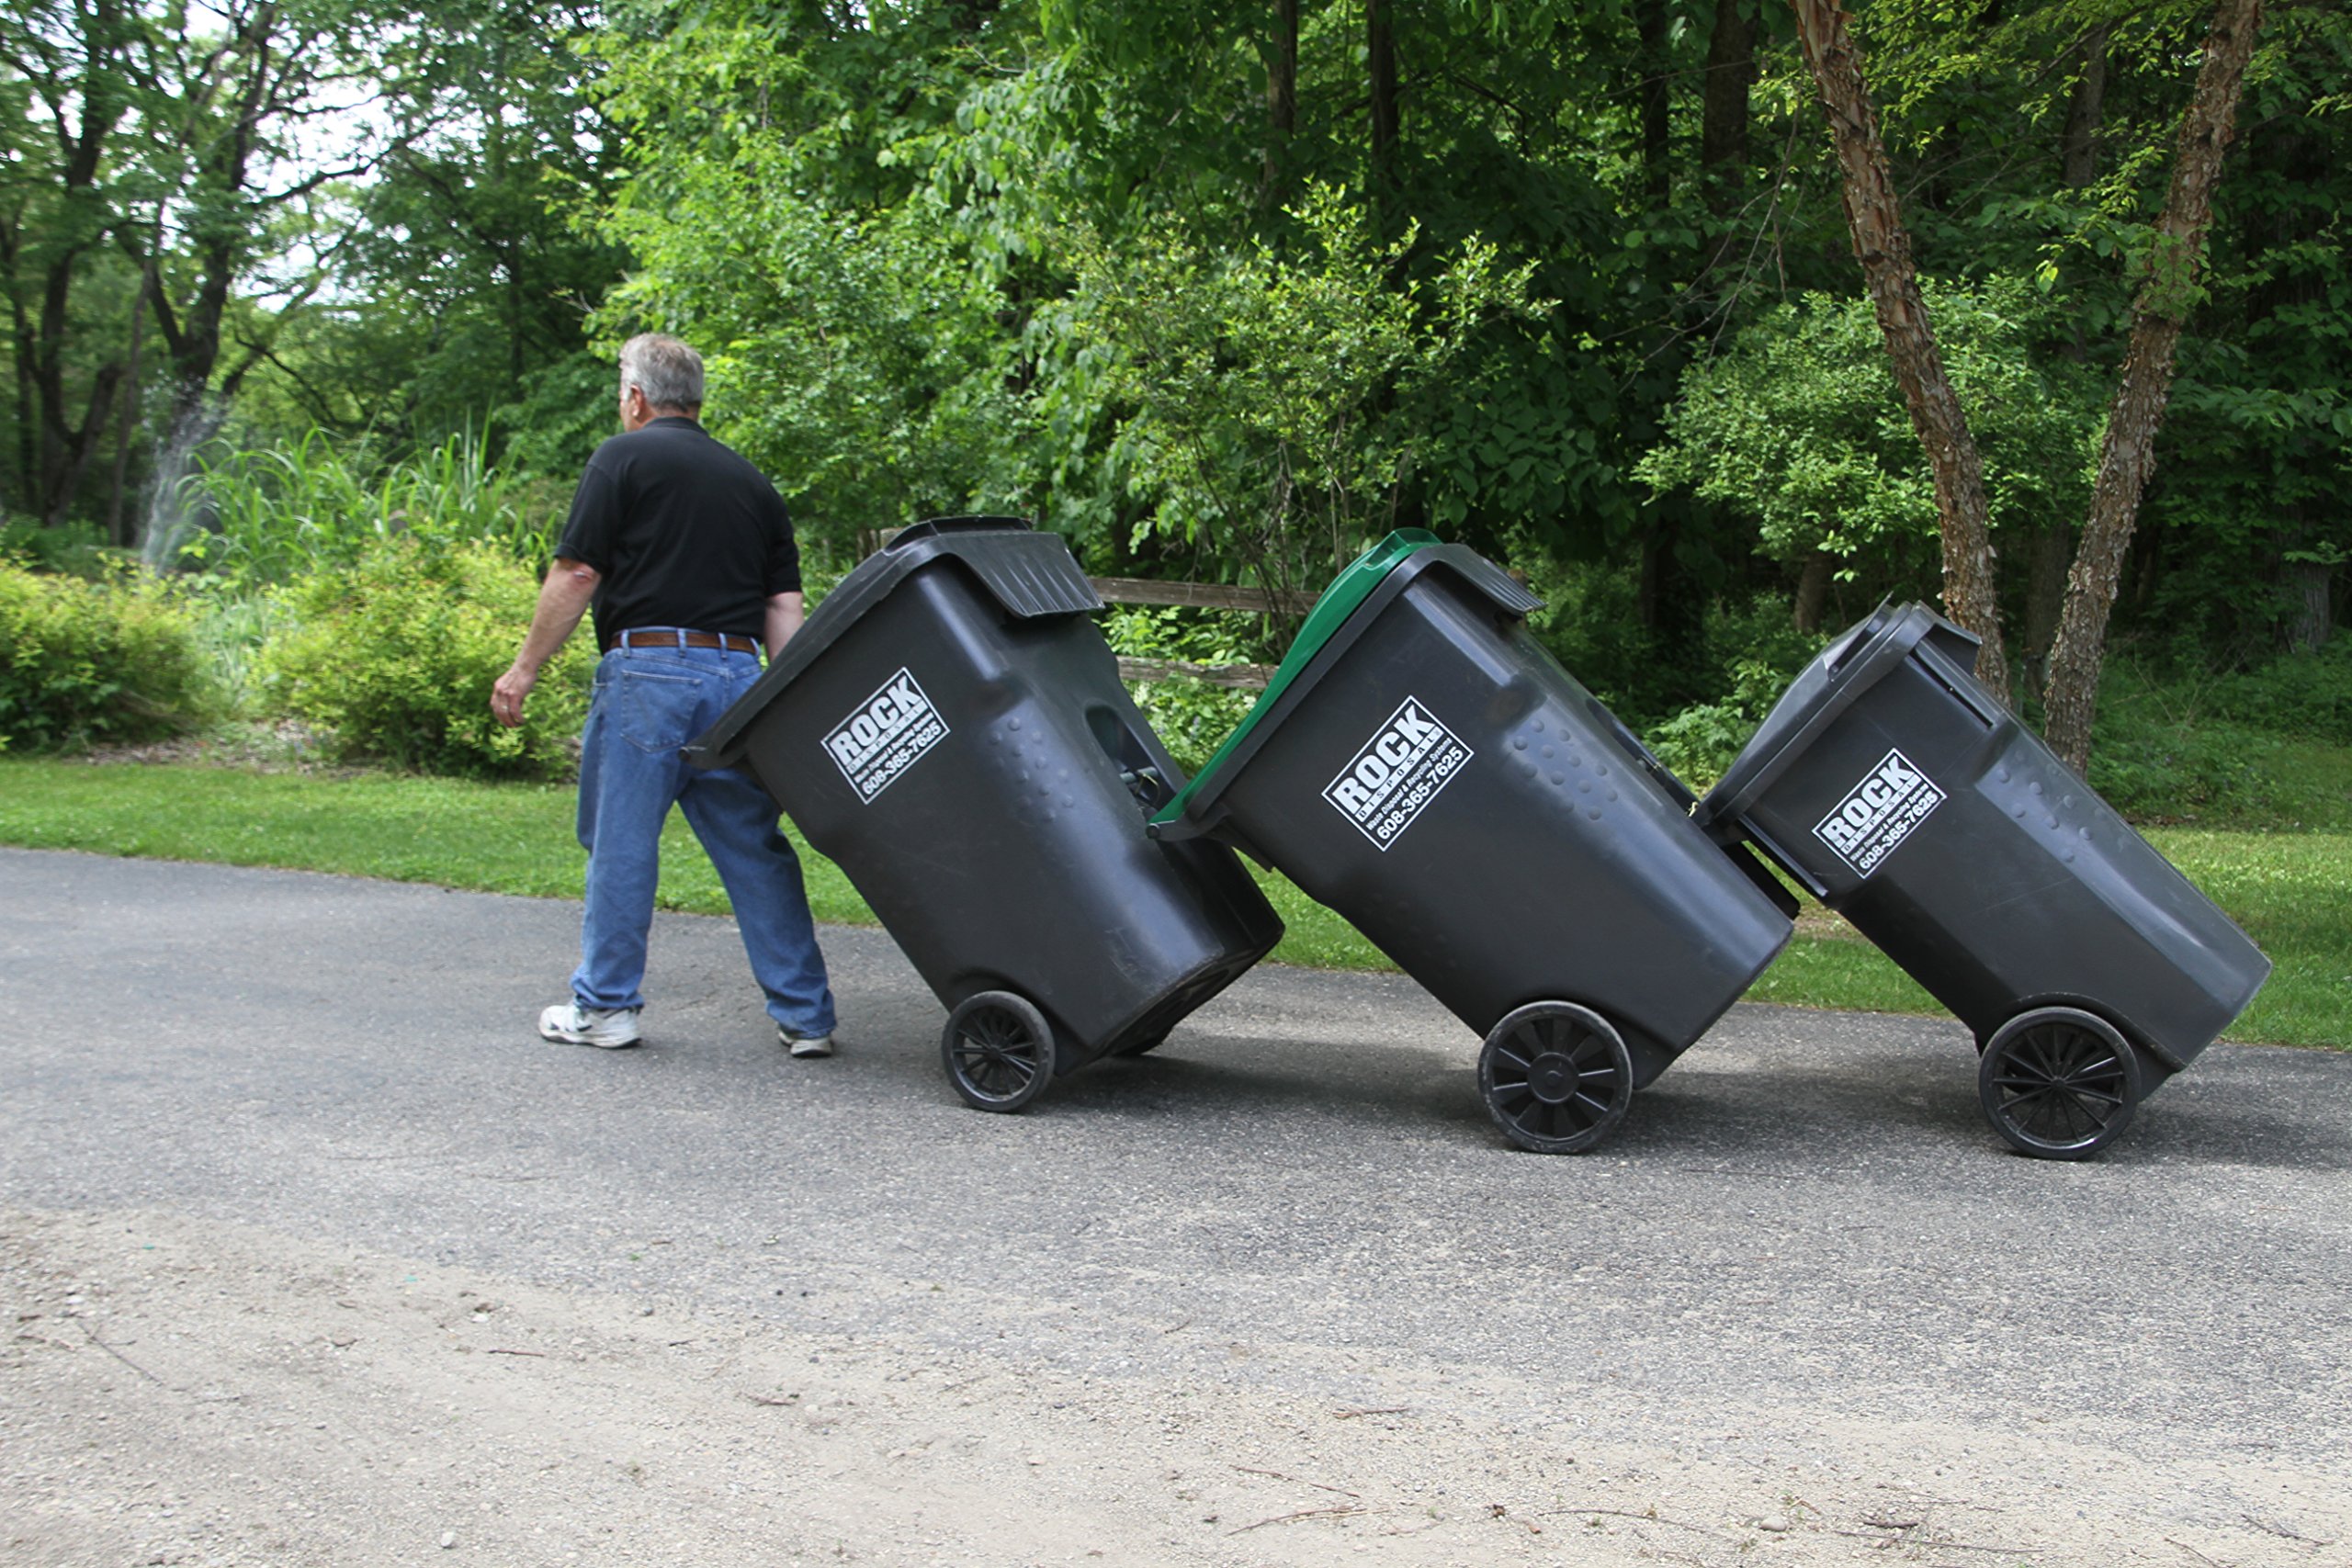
(2290, 890)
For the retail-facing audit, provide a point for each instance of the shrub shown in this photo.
(2297, 694)
(393, 658)
(1190, 716)
(1742, 664)
(81, 660)
(68, 549)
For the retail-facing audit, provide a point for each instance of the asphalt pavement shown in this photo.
(1807, 1214)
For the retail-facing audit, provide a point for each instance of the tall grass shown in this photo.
(270, 516)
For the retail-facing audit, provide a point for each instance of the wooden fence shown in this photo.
(1183, 596)
(1200, 596)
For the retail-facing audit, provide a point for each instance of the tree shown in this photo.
(464, 292)
(1791, 424)
(1883, 246)
(2159, 314)
(68, 80)
(226, 146)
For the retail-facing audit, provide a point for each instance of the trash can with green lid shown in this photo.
(1422, 766)
(1893, 787)
(950, 730)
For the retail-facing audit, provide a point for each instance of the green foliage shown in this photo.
(83, 661)
(2250, 747)
(2308, 694)
(76, 549)
(271, 515)
(392, 656)
(1260, 410)
(561, 418)
(855, 357)
(1751, 659)
(1798, 426)
(1190, 716)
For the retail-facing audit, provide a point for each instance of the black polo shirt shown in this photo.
(682, 532)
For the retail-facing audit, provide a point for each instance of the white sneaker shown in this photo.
(805, 1046)
(568, 1023)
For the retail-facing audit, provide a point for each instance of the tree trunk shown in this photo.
(1723, 125)
(116, 534)
(2158, 316)
(1281, 106)
(2314, 620)
(2052, 550)
(1884, 247)
(2086, 110)
(1653, 92)
(1813, 590)
(1380, 52)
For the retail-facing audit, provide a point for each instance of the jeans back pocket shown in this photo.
(656, 711)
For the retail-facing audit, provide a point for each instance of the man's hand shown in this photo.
(564, 599)
(513, 689)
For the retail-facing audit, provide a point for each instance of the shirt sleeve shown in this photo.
(589, 532)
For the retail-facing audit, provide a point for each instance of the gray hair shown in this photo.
(664, 370)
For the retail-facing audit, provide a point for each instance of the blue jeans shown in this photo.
(648, 704)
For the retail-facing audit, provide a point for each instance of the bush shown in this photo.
(113, 659)
(1190, 716)
(2300, 694)
(393, 658)
(68, 549)
(1737, 668)
(2184, 746)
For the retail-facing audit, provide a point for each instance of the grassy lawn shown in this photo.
(2290, 890)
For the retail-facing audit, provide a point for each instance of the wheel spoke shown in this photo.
(2058, 1082)
(1555, 1076)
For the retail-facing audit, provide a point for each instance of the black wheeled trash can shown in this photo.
(1893, 788)
(1420, 764)
(949, 729)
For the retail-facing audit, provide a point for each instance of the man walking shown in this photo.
(685, 552)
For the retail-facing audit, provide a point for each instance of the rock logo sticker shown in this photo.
(888, 734)
(1880, 813)
(1399, 770)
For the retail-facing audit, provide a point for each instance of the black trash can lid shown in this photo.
(1856, 661)
(1028, 571)
(1355, 597)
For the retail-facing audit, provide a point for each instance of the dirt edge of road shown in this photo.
(182, 1392)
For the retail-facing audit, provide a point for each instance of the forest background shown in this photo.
(312, 302)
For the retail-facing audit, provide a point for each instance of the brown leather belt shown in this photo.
(671, 637)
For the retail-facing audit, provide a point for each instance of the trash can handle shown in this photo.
(1860, 637)
(932, 527)
(1676, 791)
(1142, 772)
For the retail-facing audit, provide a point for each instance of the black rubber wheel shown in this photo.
(1555, 1078)
(2059, 1083)
(999, 1050)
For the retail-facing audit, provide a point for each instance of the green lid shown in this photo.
(1347, 590)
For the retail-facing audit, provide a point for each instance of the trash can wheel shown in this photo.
(2059, 1083)
(1557, 1078)
(998, 1050)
